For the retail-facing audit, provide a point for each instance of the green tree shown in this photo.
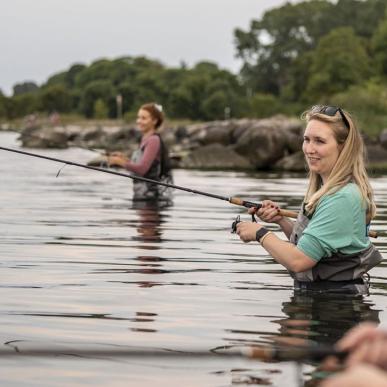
(25, 87)
(362, 15)
(100, 109)
(215, 105)
(23, 104)
(56, 98)
(66, 78)
(264, 105)
(299, 75)
(339, 61)
(273, 44)
(379, 48)
(368, 102)
(128, 93)
(3, 106)
(148, 87)
(100, 70)
(204, 92)
(101, 89)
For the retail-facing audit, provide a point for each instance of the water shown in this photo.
(81, 268)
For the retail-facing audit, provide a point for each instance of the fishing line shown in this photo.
(232, 200)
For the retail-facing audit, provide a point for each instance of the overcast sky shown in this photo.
(39, 38)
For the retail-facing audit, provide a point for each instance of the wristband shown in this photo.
(264, 237)
(260, 234)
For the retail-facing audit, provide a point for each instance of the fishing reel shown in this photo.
(235, 224)
(238, 220)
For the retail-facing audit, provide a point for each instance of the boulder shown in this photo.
(214, 156)
(376, 153)
(294, 162)
(218, 132)
(266, 141)
(383, 138)
(46, 137)
(122, 138)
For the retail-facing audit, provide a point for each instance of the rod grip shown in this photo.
(293, 353)
(288, 213)
(244, 203)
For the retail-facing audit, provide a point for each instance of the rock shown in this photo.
(240, 127)
(217, 132)
(294, 162)
(123, 139)
(264, 143)
(383, 138)
(46, 137)
(180, 133)
(376, 153)
(241, 143)
(6, 126)
(215, 156)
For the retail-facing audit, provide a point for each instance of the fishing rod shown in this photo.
(261, 353)
(232, 200)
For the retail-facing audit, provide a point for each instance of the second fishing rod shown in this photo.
(233, 200)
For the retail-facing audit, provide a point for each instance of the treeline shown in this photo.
(311, 52)
(203, 92)
(321, 52)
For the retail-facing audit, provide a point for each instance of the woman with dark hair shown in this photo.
(329, 248)
(151, 159)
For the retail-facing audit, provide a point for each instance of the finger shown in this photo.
(357, 335)
(252, 210)
(267, 203)
(377, 354)
(359, 355)
(331, 364)
(239, 228)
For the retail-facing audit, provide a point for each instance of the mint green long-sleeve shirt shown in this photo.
(338, 225)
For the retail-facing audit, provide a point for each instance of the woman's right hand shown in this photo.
(117, 154)
(116, 160)
(268, 212)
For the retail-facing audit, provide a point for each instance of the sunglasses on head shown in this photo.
(331, 111)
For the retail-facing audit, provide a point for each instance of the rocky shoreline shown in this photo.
(237, 144)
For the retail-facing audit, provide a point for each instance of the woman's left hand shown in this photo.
(247, 230)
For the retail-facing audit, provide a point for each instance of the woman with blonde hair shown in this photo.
(330, 249)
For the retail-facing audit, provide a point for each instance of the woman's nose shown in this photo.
(309, 147)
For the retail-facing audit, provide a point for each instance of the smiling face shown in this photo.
(145, 122)
(320, 148)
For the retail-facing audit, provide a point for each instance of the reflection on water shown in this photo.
(323, 318)
(320, 318)
(83, 266)
(150, 219)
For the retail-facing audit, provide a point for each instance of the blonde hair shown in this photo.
(349, 167)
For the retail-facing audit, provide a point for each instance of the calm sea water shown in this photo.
(81, 267)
